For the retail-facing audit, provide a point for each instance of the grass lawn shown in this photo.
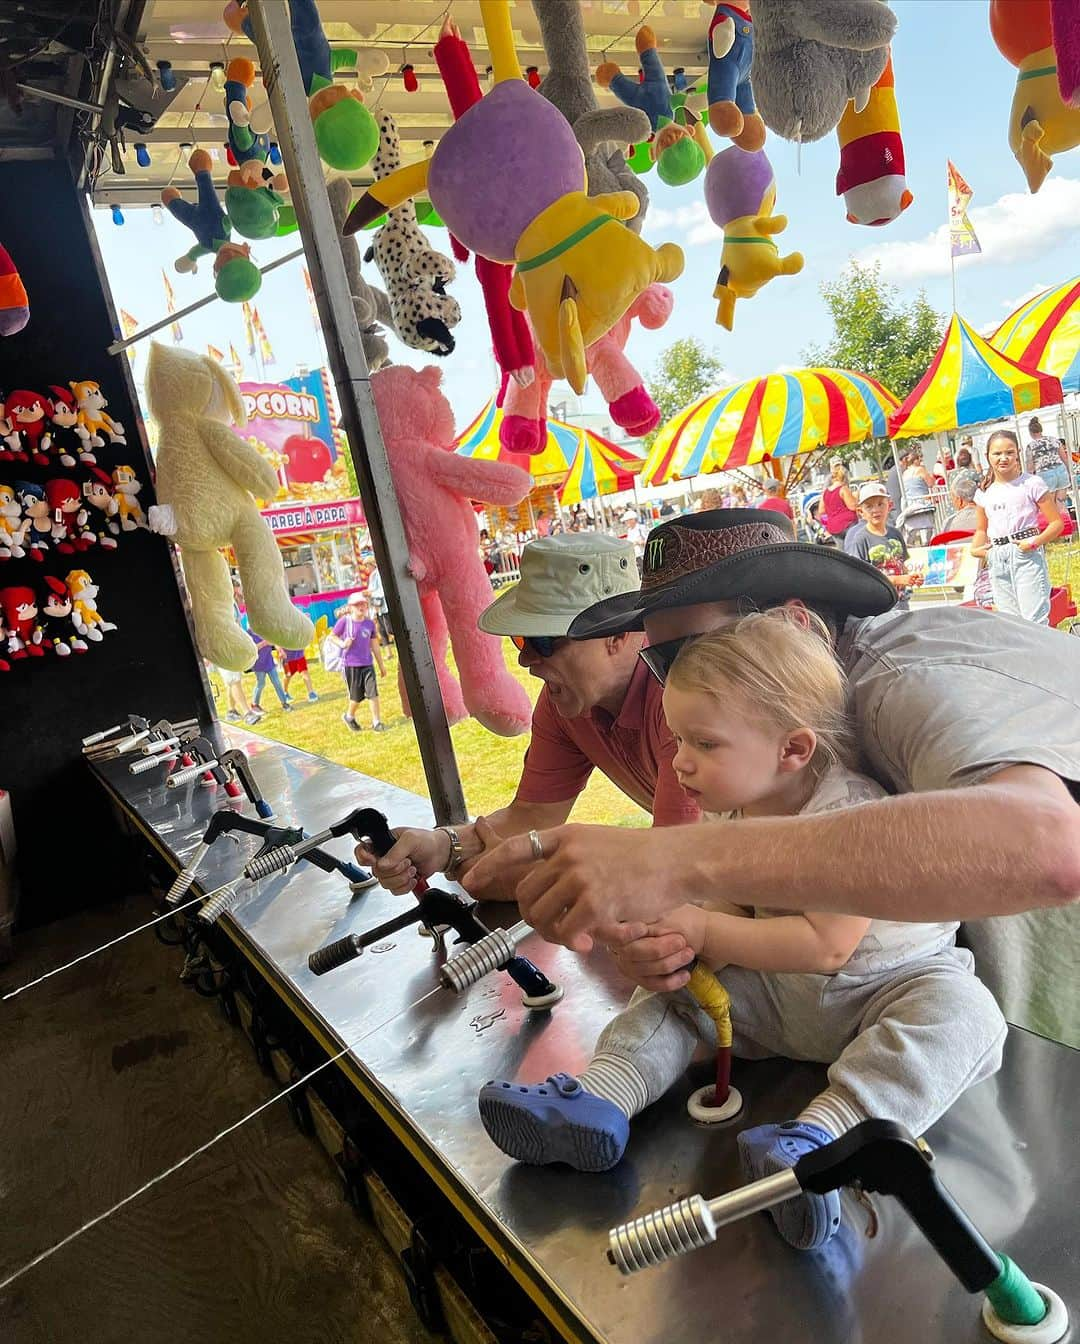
(490, 766)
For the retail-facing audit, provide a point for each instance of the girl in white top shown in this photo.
(1016, 516)
(759, 716)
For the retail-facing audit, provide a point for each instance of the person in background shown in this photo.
(377, 598)
(265, 669)
(877, 542)
(357, 637)
(892, 482)
(917, 519)
(543, 524)
(966, 467)
(667, 509)
(293, 664)
(773, 500)
(708, 499)
(839, 506)
(1048, 459)
(736, 498)
(240, 708)
(965, 517)
(636, 534)
(1017, 516)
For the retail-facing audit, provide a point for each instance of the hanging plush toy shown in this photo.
(91, 403)
(24, 637)
(740, 193)
(371, 305)
(29, 414)
(57, 620)
(434, 486)
(14, 305)
(680, 151)
(127, 486)
(206, 477)
(244, 141)
(812, 58)
(236, 277)
(70, 439)
(86, 618)
(1041, 124)
(871, 177)
(69, 518)
(37, 527)
(12, 526)
(732, 110)
(415, 275)
(523, 428)
(99, 496)
(508, 180)
(1065, 29)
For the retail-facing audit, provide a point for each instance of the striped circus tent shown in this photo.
(1045, 333)
(599, 467)
(480, 439)
(968, 381)
(775, 416)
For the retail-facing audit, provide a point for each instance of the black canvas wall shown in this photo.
(67, 842)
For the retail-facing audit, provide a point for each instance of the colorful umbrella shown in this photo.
(600, 467)
(1045, 332)
(775, 416)
(480, 439)
(968, 381)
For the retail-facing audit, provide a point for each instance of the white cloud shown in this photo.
(1015, 227)
(1010, 306)
(690, 222)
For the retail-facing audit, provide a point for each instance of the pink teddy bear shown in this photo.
(525, 408)
(434, 486)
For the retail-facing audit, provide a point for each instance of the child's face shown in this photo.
(725, 759)
(876, 511)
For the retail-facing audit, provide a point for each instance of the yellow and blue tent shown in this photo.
(1045, 332)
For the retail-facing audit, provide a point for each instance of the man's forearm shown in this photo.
(954, 854)
(514, 819)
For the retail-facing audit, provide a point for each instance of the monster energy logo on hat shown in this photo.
(654, 552)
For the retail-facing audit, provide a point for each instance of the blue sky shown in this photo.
(954, 91)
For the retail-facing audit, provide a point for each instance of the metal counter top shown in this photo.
(1005, 1150)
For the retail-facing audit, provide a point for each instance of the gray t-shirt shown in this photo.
(946, 697)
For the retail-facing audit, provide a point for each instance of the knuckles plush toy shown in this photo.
(434, 486)
(740, 194)
(508, 180)
(206, 479)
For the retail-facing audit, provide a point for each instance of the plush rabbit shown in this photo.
(206, 477)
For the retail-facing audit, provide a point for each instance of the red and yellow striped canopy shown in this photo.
(775, 416)
(600, 467)
(1045, 332)
(480, 438)
(968, 382)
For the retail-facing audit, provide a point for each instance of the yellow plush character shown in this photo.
(91, 403)
(740, 195)
(508, 180)
(127, 486)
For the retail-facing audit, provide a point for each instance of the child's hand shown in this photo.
(659, 960)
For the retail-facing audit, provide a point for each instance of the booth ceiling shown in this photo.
(193, 35)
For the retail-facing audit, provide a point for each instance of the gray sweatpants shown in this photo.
(901, 1045)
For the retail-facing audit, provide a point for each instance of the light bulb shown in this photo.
(142, 155)
(157, 214)
(217, 74)
(165, 74)
(532, 74)
(408, 78)
(275, 153)
(117, 215)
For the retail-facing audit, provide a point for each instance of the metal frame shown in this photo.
(288, 101)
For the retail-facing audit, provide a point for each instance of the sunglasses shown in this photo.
(658, 658)
(543, 646)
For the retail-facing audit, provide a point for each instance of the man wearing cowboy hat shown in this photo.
(971, 718)
(600, 707)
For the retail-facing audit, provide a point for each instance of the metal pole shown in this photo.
(296, 137)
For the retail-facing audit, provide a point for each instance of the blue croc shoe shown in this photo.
(554, 1121)
(807, 1221)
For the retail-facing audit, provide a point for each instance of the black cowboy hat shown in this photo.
(725, 554)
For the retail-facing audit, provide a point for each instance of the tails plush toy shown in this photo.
(508, 179)
(92, 416)
(14, 305)
(871, 177)
(740, 193)
(1041, 124)
(434, 486)
(206, 477)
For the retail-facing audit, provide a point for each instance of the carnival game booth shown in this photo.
(245, 846)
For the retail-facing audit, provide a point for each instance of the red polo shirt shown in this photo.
(775, 504)
(634, 749)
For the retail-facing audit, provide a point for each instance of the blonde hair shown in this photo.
(780, 672)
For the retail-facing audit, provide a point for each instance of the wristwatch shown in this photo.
(457, 854)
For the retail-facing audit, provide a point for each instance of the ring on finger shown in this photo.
(536, 844)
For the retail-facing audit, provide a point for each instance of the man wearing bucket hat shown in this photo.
(971, 718)
(599, 708)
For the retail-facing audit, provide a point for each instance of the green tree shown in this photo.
(684, 372)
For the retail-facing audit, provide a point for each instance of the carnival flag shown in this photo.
(129, 326)
(266, 352)
(170, 307)
(215, 353)
(311, 299)
(236, 364)
(962, 239)
(249, 327)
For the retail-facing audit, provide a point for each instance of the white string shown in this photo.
(176, 1166)
(196, 900)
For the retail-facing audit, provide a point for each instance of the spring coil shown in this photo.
(188, 773)
(180, 886)
(661, 1235)
(273, 861)
(219, 904)
(470, 966)
(149, 762)
(333, 955)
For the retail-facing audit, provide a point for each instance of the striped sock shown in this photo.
(832, 1113)
(616, 1080)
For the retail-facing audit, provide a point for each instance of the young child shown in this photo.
(758, 713)
(265, 669)
(875, 540)
(294, 663)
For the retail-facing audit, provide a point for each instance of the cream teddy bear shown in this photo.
(206, 477)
